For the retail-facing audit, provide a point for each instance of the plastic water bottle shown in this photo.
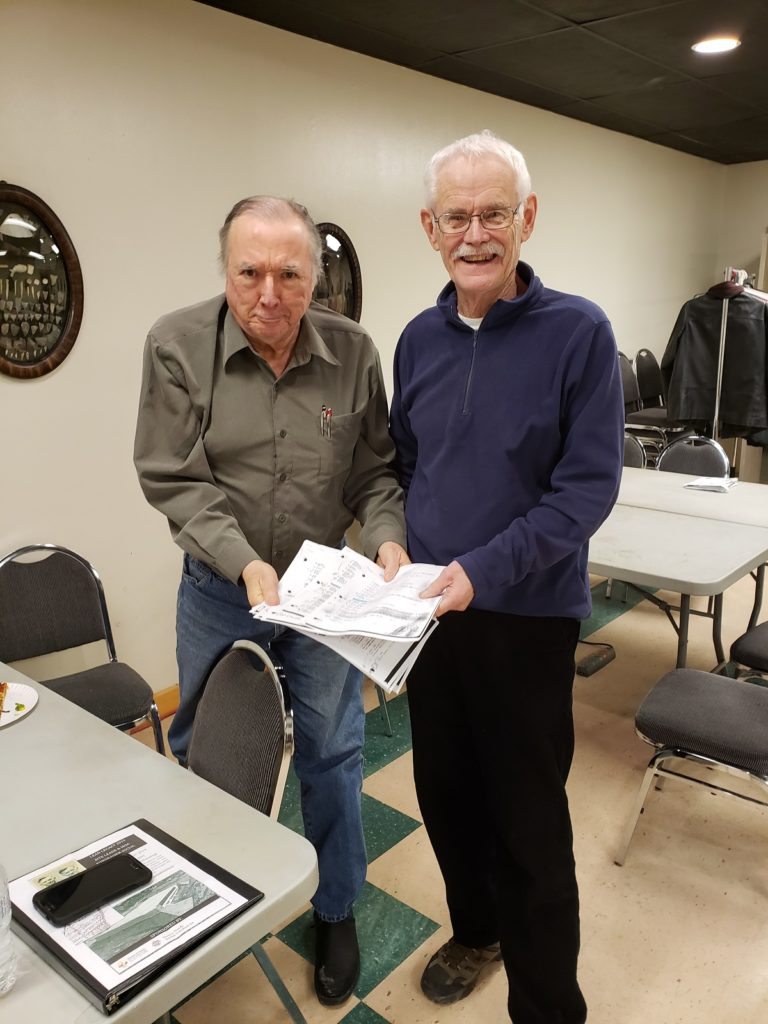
(7, 955)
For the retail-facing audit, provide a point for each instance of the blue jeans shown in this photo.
(328, 717)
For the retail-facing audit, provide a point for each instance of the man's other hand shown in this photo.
(260, 581)
(454, 586)
(390, 557)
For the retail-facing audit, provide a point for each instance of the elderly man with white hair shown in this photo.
(508, 422)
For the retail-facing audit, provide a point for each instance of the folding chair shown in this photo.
(242, 742)
(54, 603)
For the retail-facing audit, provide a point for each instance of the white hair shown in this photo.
(476, 146)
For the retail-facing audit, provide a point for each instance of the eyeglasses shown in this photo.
(492, 220)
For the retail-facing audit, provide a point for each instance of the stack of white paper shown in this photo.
(712, 483)
(339, 598)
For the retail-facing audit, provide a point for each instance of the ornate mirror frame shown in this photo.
(41, 286)
(342, 288)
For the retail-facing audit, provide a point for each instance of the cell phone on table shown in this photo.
(65, 901)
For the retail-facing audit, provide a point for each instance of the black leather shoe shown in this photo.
(337, 960)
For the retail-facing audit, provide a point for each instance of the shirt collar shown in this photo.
(309, 342)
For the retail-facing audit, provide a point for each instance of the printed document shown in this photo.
(340, 599)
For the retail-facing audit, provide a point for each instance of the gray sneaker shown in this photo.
(454, 971)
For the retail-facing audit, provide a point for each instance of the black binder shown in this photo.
(109, 1000)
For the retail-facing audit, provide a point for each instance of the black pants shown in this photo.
(490, 702)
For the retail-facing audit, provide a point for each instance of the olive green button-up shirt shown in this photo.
(245, 465)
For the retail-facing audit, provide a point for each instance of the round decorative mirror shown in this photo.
(41, 286)
(342, 288)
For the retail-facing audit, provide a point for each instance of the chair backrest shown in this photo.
(632, 402)
(242, 739)
(634, 453)
(694, 454)
(649, 381)
(51, 604)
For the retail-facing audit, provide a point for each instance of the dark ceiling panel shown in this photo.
(667, 34)
(583, 110)
(582, 11)
(743, 140)
(449, 25)
(685, 144)
(572, 62)
(456, 70)
(678, 106)
(749, 87)
(621, 64)
(319, 24)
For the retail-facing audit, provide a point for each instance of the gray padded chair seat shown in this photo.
(113, 692)
(751, 648)
(653, 417)
(720, 718)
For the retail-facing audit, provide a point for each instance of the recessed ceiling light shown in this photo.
(719, 44)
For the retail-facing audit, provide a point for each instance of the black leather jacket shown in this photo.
(689, 364)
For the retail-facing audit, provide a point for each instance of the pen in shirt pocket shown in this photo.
(326, 419)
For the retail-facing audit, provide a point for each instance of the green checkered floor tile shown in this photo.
(388, 931)
(363, 1014)
(605, 609)
(383, 826)
(380, 750)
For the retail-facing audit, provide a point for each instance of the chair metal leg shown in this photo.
(384, 709)
(157, 729)
(277, 984)
(629, 831)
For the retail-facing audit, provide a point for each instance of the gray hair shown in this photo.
(274, 208)
(476, 146)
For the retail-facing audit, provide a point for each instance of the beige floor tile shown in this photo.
(409, 872)
(147, 736)
(244, 995)
(393, 785)
(399, 998)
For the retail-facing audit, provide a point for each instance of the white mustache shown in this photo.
(486, 249)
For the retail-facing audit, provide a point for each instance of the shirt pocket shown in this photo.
(337, 444)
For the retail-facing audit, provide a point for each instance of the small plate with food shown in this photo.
(16, 700)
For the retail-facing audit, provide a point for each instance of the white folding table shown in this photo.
(68, 779)
(662, 536)
(744, 503)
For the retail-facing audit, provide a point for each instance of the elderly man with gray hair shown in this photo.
(262, 423)
(508, 422)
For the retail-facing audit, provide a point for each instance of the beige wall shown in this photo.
(745, 216)
(140, 123)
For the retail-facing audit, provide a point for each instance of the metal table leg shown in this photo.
(717, 628)
(759, 583)
(682, 633)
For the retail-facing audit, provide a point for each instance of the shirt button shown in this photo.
(283, 433)
(282, 517)
(283, 477)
